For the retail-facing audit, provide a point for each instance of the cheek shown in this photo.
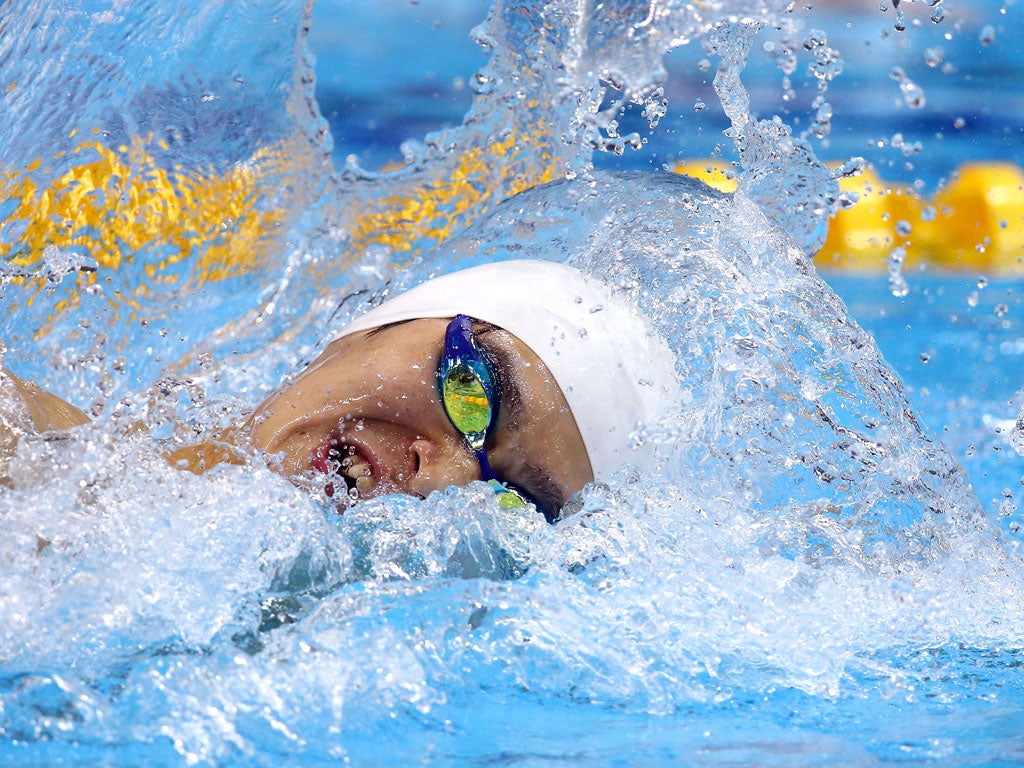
(405, 394)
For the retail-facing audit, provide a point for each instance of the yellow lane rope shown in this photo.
(114, 204)
(435, 209)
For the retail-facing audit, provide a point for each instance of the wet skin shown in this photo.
(367, 413)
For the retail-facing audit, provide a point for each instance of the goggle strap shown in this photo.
(486, 473)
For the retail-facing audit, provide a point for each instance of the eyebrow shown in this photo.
(537, 481)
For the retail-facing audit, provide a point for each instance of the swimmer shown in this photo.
(527, 375)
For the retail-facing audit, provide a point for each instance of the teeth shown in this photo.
(356, 469)
(353, 467)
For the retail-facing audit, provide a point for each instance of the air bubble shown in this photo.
(987, 36)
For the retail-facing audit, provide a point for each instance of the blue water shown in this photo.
(928, 336)
(812, 580)
(382, 80)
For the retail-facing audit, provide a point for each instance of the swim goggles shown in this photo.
(469, 395)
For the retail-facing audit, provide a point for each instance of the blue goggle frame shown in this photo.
(469, 396)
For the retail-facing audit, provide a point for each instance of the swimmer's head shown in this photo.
(575, 372)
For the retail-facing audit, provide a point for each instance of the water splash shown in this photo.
(806, 548)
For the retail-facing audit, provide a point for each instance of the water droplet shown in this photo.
(897, 283)
(925, 357)
(901, 20)
(898, 286)
(982, 282)
(987, 36)
(959, 123)
(655, 107)
(934, 56)
(482, 84)
(928, 213)
(1001, 310)
(1016, 436)
(913, 94)
(903, 228)
(699, 105)
(972, 299)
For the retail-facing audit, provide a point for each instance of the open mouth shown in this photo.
(350, 472)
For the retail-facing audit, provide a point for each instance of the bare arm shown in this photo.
(47, 411)
(27, 408)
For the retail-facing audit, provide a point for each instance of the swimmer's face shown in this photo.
(367, 414)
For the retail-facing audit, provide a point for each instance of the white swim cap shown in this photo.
(615, 374)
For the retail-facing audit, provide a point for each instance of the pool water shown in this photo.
(826, 571)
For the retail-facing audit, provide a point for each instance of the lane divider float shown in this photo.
(975, 222)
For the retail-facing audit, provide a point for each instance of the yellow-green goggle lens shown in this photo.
(506, 496)
(465, 400)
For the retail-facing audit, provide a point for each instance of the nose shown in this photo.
(441, 463)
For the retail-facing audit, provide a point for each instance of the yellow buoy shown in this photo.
(715, 174)
(884, 218)
(978, 220)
